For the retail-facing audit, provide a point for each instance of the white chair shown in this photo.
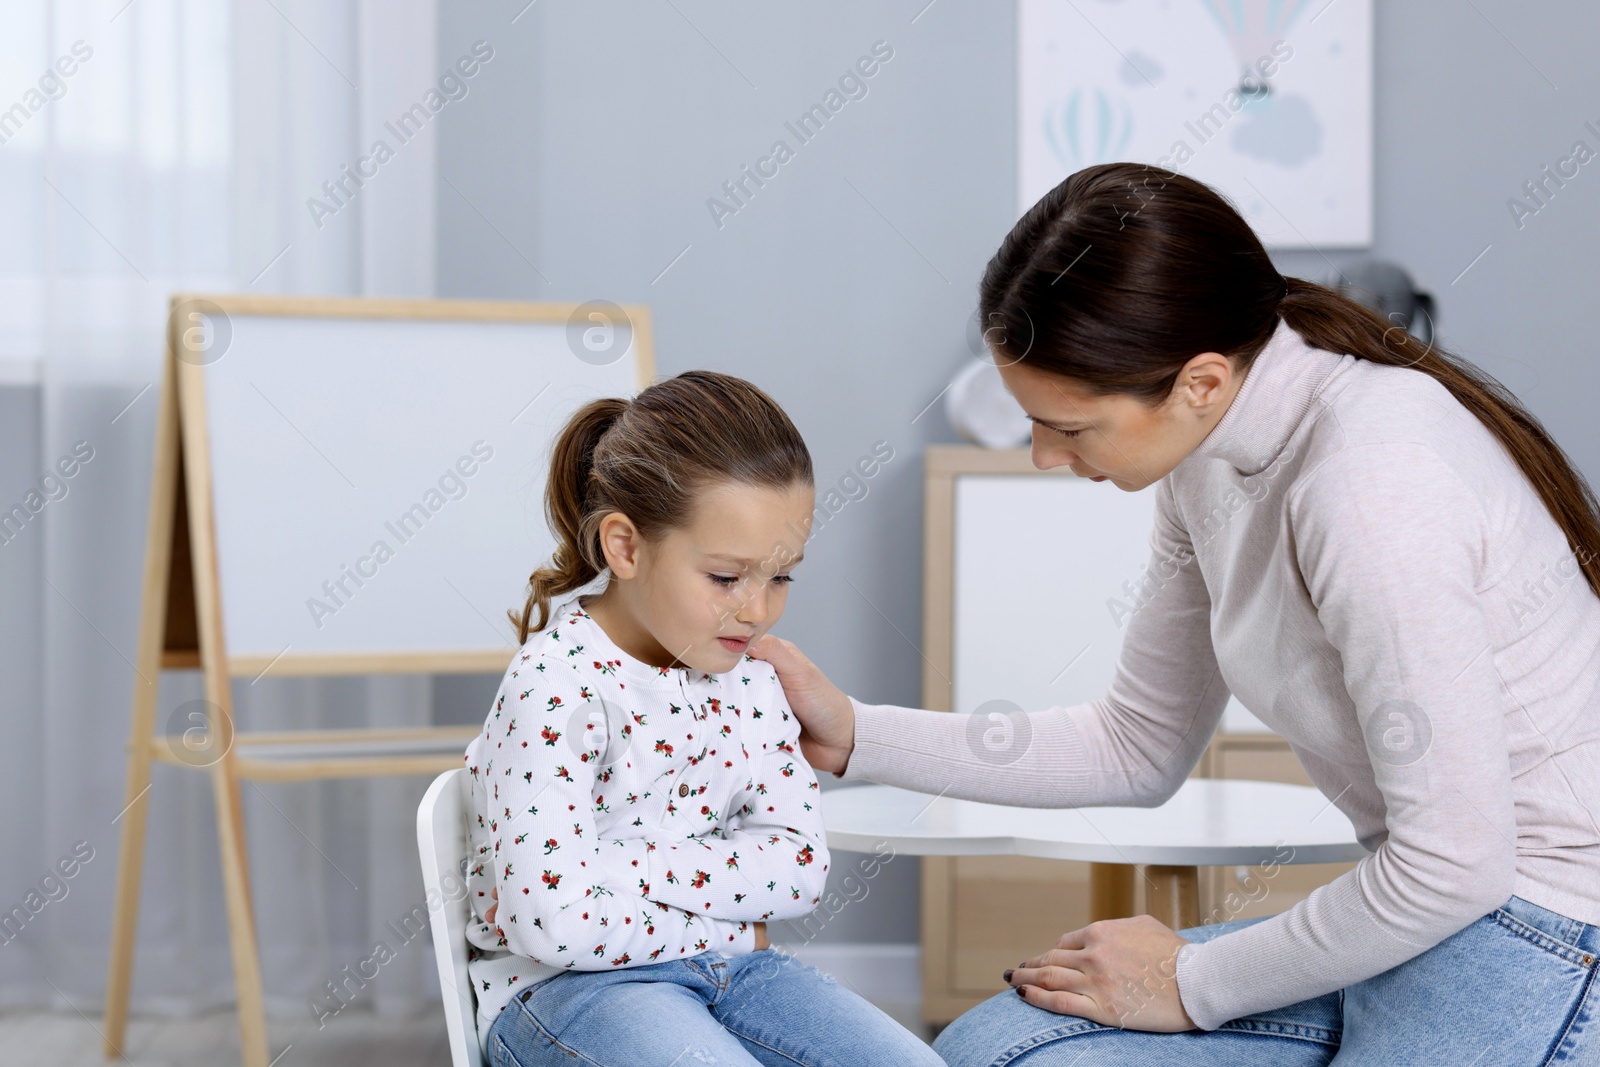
(443, 842)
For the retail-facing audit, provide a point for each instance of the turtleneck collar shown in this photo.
(1277, 391)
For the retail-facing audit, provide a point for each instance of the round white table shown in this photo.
(1208, 822)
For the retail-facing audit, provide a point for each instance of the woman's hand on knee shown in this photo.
(1117, 972)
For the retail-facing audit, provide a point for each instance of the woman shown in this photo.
(1387, 560)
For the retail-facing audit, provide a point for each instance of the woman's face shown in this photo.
(1117, 437)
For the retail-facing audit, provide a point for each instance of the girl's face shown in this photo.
(1115, 437)
(699, 595)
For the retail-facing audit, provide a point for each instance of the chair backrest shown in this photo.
(443, 842)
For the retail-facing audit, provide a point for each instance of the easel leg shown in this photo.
(241, 917)
(130, 869)
(158, 563)
(224, 770)
(1110, 891)
(1173, 894)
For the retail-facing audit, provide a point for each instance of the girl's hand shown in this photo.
(761, 937)
(827, 718)
(1117, 972)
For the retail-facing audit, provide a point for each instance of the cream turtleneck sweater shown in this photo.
(1353, 555)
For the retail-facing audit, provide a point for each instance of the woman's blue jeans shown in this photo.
(762, 1007)
(1519, 987)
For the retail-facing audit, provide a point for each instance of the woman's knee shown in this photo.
(1005, 1030)
(973, 1039)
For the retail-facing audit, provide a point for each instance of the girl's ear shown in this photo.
(620, 542)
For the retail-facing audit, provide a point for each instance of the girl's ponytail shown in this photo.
(577, 558)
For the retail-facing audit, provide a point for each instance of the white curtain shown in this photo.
(174, 146)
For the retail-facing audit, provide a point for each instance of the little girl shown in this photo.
(642, 807)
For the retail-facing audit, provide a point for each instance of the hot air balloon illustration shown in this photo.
(1088, 126)
(1252, 27)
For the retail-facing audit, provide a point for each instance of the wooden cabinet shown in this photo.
(1021, 569)
(982, 914)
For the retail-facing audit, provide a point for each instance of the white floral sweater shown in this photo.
(631, 814)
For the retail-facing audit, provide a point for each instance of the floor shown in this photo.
(353, 1039)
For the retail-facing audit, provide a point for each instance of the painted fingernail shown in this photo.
(1007, 975)
(1022, 992)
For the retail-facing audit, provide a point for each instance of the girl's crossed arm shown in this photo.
(770, 858)
(567, 898)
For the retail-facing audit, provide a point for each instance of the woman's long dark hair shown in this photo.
(647, 458)
(1124, 272)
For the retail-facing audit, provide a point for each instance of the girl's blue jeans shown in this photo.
(763, 1007)
(1519, 987)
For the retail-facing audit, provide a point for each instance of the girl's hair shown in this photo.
(647, 458)
(1123, 272)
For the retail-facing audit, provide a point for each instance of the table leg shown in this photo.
(1173, 895)
(1110, 891)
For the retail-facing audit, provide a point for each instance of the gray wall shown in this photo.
(582, 163)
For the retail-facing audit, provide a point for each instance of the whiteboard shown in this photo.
(1037, 561)
(1268, 101)
(378, 482)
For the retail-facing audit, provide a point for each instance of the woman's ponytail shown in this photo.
(1329, 320)
(577, 559)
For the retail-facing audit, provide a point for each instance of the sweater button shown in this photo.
(683, 790)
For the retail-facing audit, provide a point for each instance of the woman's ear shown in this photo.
(620, 543)
(1204, 380)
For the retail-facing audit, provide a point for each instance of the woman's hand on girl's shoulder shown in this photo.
(827, 718)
